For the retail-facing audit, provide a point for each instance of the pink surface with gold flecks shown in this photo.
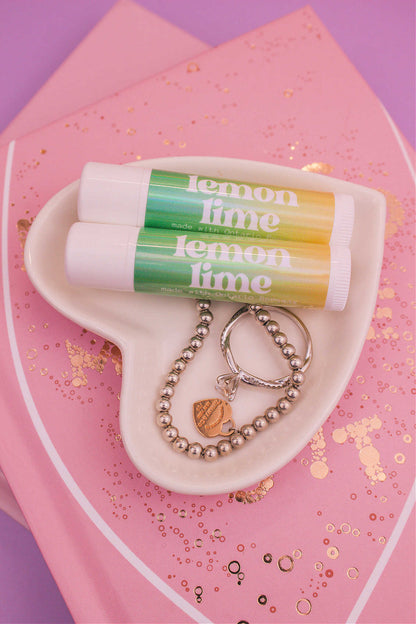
(305, 541)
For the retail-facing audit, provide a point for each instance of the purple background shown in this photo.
(35, 37)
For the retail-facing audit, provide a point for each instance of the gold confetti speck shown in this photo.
(353, 573)
(303, 606)
(43, 151)
(332, 552)
(318, 167)
(285, 563)
(399, 458)
(288, 93)
(131, 131)
(31, 354)
(192, 67)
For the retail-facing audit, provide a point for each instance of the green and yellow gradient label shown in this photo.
(225, 268)
(195, 203)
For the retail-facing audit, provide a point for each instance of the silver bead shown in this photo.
(292, 393)
(202, 330)
(237, 440)
(196, 342)
(260, 423)
(295, 362)
(248, 431)
(194, 450)
(173, 378)
(167, 392)
(280, 339)
(262, 316)
(163, 419)
(170, 433)
(298, 378)
(288, 350)
(210, 453)
(180, 445)
(253, 308)
(179, 365)
(272, 415)
(206, 316)
(283, 405)
(272, 327)
(163, 405)
(224, 447)
(187, 354)
(203, 304)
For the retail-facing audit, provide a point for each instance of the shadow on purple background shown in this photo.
(36, 37)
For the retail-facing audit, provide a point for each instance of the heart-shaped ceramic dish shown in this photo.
(151, 331)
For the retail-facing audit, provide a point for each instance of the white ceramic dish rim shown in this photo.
(245, 475)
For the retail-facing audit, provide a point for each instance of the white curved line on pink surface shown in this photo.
(48, 445)
(411, 499)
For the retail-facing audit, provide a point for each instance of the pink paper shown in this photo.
(128, 45)
(122, 548)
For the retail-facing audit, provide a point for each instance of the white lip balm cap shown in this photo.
(101, 256)
(339, 279)
(113, 194)
(343, 219)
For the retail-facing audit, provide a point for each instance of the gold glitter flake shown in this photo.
(303, 606)
(192, 67)
(333, 552)
(23, 226)
(386, 293)
(319, 167)
(285, 563)
(253, 496)
(81, 359)
(369, 456)
(353, 573)
(399, 458)
(319, 467)
(288, 93)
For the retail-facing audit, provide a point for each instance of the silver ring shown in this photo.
(228, 383)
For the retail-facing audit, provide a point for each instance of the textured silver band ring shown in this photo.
(238, 373)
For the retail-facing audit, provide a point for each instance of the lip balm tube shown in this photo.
(208, 266)
(144, 197)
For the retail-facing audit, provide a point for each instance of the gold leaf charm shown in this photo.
(210, 415)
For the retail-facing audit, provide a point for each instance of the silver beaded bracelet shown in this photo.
(210, 415)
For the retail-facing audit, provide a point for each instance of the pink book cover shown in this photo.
(128, 45)
(120, 547)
